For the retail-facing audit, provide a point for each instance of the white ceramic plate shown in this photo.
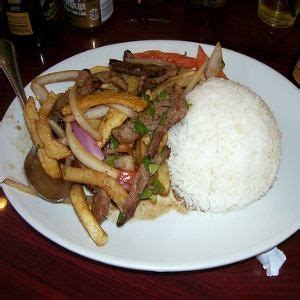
(173, 242)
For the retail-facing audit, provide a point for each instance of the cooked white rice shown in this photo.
(226, 152)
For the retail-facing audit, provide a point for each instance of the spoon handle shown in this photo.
(8, 63)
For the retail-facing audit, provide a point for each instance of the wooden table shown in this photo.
(33, 267)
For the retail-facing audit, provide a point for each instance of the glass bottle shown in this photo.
(31, 22)
(88, 13)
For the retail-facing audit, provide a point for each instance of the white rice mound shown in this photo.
(226, 152)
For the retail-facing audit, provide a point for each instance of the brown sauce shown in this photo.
(149, 211)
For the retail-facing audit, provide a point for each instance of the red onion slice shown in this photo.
(87, 141)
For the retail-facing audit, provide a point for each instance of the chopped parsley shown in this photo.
(113, 142)
(146, 97)
(121, 218)
(158, 187)
(146, 161)
(162, 96)
(150, 111)
(146, 194)
(139, 127)
(111, 160)
(187, 105)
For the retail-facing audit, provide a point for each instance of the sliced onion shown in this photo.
(125, 110)
(63, 141)
(87, 141)
(79, 116)
(215, 62)
(39, 90)
(56, 128)
(70, 75)
(196, 78)
(86, 157)
(96, 112)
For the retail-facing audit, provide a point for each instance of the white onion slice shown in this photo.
(87, 158)
(96, 112)
(214, 62)
(125, 110)
(56, 128)
(70, 75)
(63, 141)
(197, 76)
(39, 90)
(79, 117)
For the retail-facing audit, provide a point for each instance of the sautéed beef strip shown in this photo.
(84, 83)
(55, 115)
(140, 182)
(110, 77)
(173, 115)
(125, 133)
(100, 205)
(137, 69)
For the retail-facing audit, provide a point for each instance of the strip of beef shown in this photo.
(100, 205)
(110, 77)
(148, 70)
(55, 115)
(171, 70)
(140, 182)
(125, 133)
(173, 115)
(84, 83)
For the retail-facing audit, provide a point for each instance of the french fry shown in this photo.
(109, 97)
(101, 180)
(133, 83)
(163, 176)
(111, 120)
(140, 151)
(31, 115)
(53, 148)
(86, 217)
(47, 105)
(50, 165)
(20, 186)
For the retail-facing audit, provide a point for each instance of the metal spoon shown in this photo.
(52, 190)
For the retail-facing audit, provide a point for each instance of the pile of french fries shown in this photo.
(54, 149)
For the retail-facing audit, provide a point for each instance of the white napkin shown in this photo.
(272, 261)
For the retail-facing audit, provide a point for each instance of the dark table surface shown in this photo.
(33, 267)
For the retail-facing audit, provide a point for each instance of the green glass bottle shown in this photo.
(31, 22)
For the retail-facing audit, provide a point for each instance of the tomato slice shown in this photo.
(126, 179)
